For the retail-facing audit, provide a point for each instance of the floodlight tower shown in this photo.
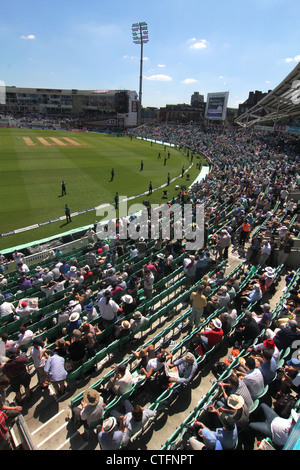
(140, 36)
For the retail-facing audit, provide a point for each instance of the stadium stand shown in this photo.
(252, 187)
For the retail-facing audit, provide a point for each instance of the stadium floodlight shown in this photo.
(140, 36)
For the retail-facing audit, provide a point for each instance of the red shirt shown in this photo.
(3, 427)
(246, 227)
(213, 336)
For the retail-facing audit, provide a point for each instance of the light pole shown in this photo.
(140, 36)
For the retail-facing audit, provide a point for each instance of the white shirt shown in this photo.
(23, 312)
(25, 338)
(35, 354)
(6, 308)
(148, 282)
(124, 382)
(155, 364)
(109, 311)
(18, 257)
(24, 268)
(281, 429)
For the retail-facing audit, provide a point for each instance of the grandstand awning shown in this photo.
(282, 102)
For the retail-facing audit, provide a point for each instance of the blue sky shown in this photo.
(235, 46)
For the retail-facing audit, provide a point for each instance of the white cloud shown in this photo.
(160, 65)
(188, 81)
(159, 78)
(267, 82)
(202, 44)
(133, 57)
(293, 59)
(29, 36)
(221, 76)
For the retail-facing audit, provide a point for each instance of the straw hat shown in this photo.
(189, 358)
(235, 401)
(109, 424)
(74, 316)
(91, 396)
(125, 324)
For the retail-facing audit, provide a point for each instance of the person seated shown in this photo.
(182, 370)
(209, 337)
(150, 361)
(121, 382)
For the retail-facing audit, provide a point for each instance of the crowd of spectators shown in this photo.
(248, 213)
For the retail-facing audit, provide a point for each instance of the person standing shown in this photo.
(63, 188)
(112, 174)
(5, 441)
(150, 188)
(117, 200)
(198, 301)
(16, 370)
(39, 361)
(142, 165)
(68, 213)
(168, 183)
(285, 247)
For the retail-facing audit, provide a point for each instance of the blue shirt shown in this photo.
(55, 368)
(228, 439)
(268, 370)
(186, 371)
(110, 441)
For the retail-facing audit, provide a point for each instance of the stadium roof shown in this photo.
(282, 102)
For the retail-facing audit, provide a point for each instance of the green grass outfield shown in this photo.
(32, 171)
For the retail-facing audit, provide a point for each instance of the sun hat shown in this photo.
(125, 324)
(217, 323)
(38, 268)
(189, 358)
(127, 299)
(293, 362)
(160, 256)
(235, 401)
(74, 316)
(137, 315)
(109, 424)
(91, 396)
(73, 268)
(269, 343)
(89, 306)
